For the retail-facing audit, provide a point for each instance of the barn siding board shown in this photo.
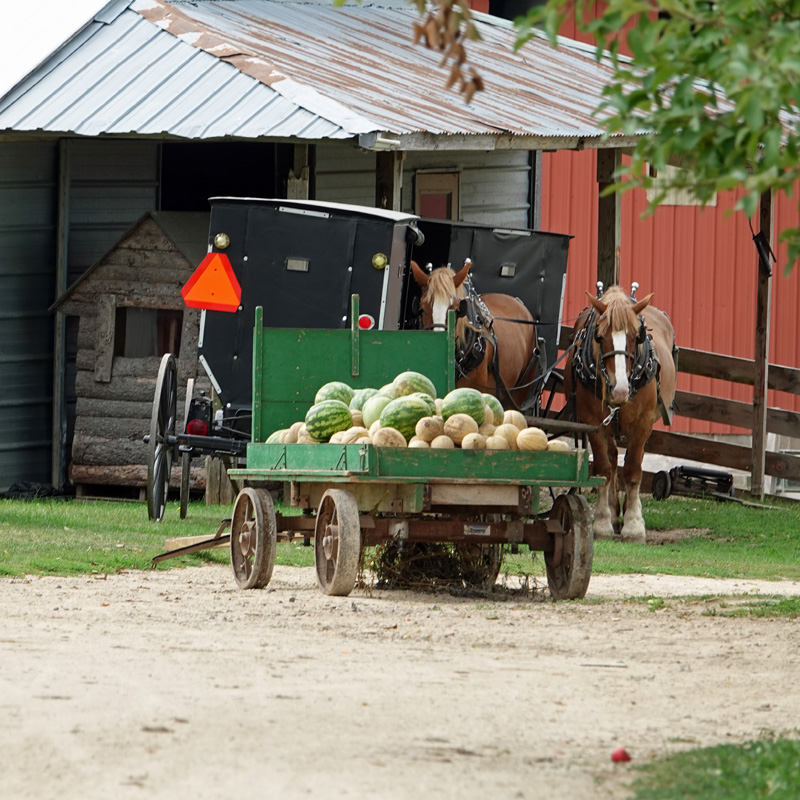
(701, 264)
(28, 192)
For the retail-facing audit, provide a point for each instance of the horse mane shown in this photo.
(619, 314)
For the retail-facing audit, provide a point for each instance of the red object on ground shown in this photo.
(620, 754)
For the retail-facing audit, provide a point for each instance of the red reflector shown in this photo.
(196, 427)
(366, 322)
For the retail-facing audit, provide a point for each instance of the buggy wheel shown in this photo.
(253, 538)
(186, 474)
(162, 429)
(662, 485)
(479, 563)
(337, 542)
(569, 565)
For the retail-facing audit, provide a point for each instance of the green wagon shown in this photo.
(351, 496)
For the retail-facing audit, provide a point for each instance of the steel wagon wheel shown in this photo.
(253, 538)
(569, 566)
(162, 428)
(337, 542)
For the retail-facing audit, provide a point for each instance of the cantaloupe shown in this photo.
(388, 437)
(418, 444)
(428, 428)
(532, 439)
(458, 426)
(496, 442)
(509, 432)
(473, 441)
(558, 446)
(443, 443)
(515, 418)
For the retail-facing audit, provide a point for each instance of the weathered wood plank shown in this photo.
(104, 337)
(722, 454)
(734, 412)
(93, 408)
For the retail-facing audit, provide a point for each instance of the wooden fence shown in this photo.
(731, 412)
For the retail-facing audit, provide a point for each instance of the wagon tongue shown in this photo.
(213, 285)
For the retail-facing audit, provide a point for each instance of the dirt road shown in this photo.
(175, 684)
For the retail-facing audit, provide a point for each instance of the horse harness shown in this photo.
(644, 360)
(480, 330)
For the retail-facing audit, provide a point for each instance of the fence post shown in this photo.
(761, 366)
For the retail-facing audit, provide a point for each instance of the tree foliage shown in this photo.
(717, 84)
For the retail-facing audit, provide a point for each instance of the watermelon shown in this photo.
(326, 418)
(388, 390)
(371, 410)
(335, 390)
(275, 437)
(360, 397)
(464, 401)
(428, 400)
(403, 414)
(407, 383)
(497, 408)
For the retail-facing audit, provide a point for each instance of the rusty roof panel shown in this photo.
(281, 69)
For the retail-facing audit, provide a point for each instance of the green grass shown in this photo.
(63, 537)
(765, 768)
(726, 540)
(68, 537)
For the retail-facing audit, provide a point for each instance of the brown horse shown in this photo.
(504, 328)
(622, 371)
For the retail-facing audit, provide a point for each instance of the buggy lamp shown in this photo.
(366, 322)
(379, 261)
(222, 241)
(508, 270)
(196, 427)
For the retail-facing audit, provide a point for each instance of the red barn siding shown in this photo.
(701, 265)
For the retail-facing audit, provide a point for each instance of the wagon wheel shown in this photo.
(253, 538)
(186, 459)
(162, 427)
(480, 563)
(569, 566)
(337, 542)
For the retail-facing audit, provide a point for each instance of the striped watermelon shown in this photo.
(407, 383)
(335, 390)
(464, 401)
(497, 408)
(360, 397)
(326, 418)
(403, 414)
(428, 400)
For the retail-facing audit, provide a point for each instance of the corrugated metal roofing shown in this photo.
(209, 69)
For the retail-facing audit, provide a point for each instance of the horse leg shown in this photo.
(633, 529)
(606, 515)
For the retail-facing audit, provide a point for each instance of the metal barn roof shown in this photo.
(279, 69)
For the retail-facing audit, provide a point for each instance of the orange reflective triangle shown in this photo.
(213, 285)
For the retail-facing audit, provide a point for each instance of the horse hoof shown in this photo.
(633, 535)
(603, 529)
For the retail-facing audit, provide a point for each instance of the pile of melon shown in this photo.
(407, 413)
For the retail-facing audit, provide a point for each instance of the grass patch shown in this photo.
(768, 768)
(763, 607)
(70, 537)
(731, 541)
